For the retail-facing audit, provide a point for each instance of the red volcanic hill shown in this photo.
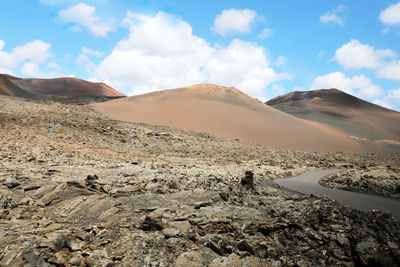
(56, 88)
(227, 112)
(356, 117)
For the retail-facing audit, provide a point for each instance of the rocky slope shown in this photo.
(79, 189)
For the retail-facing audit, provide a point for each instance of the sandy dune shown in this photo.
(356, 117)
(59, 88)
(227, 112)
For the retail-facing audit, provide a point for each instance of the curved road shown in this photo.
(307, 183)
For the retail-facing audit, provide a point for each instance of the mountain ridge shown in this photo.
(332, 94)
(62, 88)
(356, 117)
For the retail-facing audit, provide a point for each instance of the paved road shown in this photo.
(307, 183)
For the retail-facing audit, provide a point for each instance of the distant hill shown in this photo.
(9, 88)
(227, 112)
(63, 88)
(356, 117)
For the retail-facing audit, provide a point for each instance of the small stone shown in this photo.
(12, 184)
(75, 261)
(218, 244)
(25, 201)
(191, 258)
(74, 245)
(40, 203)
(154, 188)
(30, 187)
(342, 239)
(303, 263)
(248, 180)
(243, 245)
(182, 226)
(232, 260)
(253, 261)
(92, 177)
(150, 224)
(392, 245)
(367, 250)
(224, 194)
(171, 232)
(172, 185)
(56, 241)
(62, 258)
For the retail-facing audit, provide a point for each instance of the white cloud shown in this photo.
(334, 16)
(355, 55)
(83, 58)
(281, 60)
(393, 96)
(131, 18)
(243, 65)
(2, 44)
(6, 71)
(391, 15)
(382, 103)
(83, 16)
(234, 21)
(278, 90)
(162, 52)
(266, 33)
(360, 85)
(31, 69)
(390, 71)
(53, 65)
(36, 51)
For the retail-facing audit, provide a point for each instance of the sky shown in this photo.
(264, 48)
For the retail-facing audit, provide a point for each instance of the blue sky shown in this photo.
(264, 48)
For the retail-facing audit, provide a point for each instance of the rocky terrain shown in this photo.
(79, 189)
(375, 178)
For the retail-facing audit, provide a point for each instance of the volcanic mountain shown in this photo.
(229, 113)
(358, 118)
(55, 88)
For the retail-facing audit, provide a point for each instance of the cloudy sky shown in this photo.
(264, 48)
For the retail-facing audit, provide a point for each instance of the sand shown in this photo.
(229, 113)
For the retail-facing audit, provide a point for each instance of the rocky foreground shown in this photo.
(79, 189)
(374, 178)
